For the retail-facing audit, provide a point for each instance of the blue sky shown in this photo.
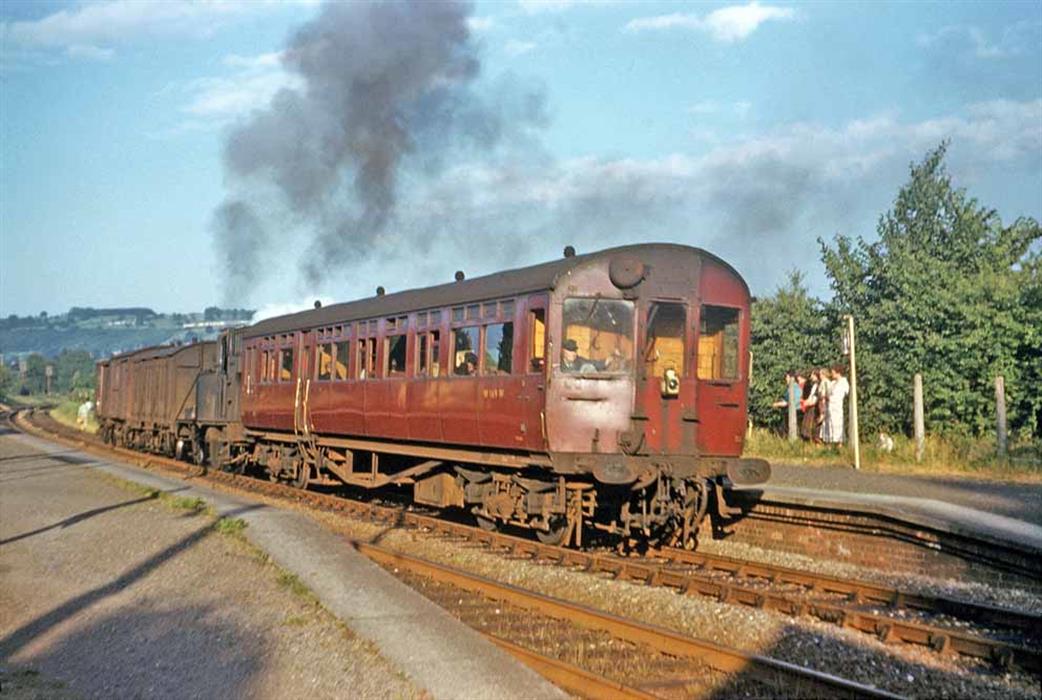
(749, 129)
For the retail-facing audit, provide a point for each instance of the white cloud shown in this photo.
(515, 47)
(225, 98)
(262, 61)
(781, 189)
(671, 21)
(101, 25)
(480, 24)
(89, 52)
(727, 24)
(211, 102)
(538, 6)
(737, 22)
(1015, 39)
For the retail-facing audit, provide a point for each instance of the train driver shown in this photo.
(572, 361)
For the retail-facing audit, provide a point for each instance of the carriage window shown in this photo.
(286, 365)
(394, 356)
(499, 348)
(718, 343)
(422, 354)
(598, 336)
(325, 361)
(427, 354)
(537, 332)
(264, 365)
(465, 357)
(366, 362)
(340, 365)
(664, 344)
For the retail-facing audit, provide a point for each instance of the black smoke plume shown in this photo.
(386, 89)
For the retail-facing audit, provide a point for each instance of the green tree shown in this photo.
(35, 381)
(790, 331)
(6, 381)
(942, 292)
(74, 370)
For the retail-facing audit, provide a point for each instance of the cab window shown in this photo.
(718, 343)
(597, 336)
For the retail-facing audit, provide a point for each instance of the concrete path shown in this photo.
(436, 651)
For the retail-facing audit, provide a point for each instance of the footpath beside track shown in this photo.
(687, 572)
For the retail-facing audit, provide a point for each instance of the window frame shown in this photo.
(739, 319)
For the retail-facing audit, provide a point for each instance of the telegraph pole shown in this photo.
(854, 438)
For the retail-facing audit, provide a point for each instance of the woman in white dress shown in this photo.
(838, 390)
(823, 404)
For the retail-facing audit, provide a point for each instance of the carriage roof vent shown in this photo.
(569, 251)
(318, 303)
(380, 291)
(460, 276)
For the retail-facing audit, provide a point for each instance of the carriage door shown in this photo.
(721, 393)
(532, 396)
(665, 394)
(302, 396)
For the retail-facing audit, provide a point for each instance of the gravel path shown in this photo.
(114, 593)
(1021, 501)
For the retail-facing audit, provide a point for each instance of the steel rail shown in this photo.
(571, 678)
(860, 591)
(887, 629)
(719, 657)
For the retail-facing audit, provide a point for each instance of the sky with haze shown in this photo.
(264, 154)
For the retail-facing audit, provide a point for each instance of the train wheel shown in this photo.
(303, 475)
(487, 524)
(555, 535)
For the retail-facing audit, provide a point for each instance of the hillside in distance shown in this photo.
(102, 332)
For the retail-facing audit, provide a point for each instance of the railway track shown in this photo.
(864, 606)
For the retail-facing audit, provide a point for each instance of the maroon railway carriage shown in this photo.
(605, 390)
(147, 399)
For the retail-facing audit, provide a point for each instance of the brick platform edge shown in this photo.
(875, 540)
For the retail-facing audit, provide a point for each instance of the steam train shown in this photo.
(595, 393)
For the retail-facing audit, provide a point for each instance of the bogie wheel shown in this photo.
(555, 535)
(487, 524)
(198, 453)
(303, 476)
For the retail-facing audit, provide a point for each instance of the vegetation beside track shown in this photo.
(963, 456)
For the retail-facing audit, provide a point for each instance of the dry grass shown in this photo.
(964, 457)
(66, 412)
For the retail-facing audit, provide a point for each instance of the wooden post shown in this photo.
(918, 417)
(855, 440)
(790, 391)
(1000, 414)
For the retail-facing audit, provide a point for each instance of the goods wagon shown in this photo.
(147, 399)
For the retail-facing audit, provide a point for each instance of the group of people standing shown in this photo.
(819, 394)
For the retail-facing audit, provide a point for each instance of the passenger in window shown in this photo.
(469, 366)
(572, 361)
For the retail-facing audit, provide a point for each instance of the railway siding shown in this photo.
(896, 534)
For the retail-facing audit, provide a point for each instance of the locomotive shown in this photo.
(603, 392)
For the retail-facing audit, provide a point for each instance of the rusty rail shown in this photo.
(732, 661)
(650, 572)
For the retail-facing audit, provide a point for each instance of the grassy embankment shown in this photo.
(942, 456)
(67, 410)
